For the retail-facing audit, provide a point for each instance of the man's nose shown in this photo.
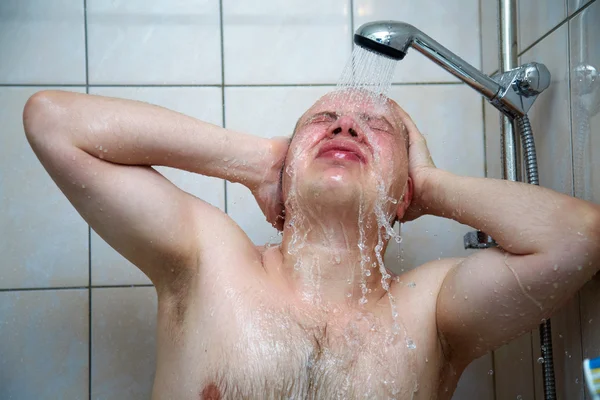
(344, 125)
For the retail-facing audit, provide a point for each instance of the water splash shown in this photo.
(367, 72)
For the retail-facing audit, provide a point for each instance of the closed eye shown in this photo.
(324, 117)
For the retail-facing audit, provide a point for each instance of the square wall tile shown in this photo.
(454, 24)
(477, 382)
(154, 41)
(490, 44)
(585, 114)
(493, 141)
(44, 240)
(123, 342)
(575, 5)
(294, 41)
(585, 102)
(44, 344)
(42, 42)
(453, 127)
(538, 17)
(550, 114)
(264, 112)
(108, 266)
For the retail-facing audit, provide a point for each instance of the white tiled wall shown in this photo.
(566, 124)
(455, 25)
(250, 66)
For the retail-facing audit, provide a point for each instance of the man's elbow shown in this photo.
(41, 113)
(590, 231)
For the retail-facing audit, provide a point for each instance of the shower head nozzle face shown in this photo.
(388, 38)
(378, 47)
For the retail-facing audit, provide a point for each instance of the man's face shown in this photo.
(348, 149)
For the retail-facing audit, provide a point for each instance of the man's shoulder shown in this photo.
(430, 275)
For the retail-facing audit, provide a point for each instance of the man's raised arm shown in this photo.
(99, 151)
(549, 247)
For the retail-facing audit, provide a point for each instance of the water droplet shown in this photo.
(556, 267)
(411, 284)
(410, 344)
(348, 294)
(491, 372)
(540, 360)
(519, 397)
(466, 297)
(367, 272)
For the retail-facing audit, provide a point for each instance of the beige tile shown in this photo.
(453, 127)
(44, 240)
(123, 342)
(585, 98)
(153, 42)
(550, 114)
(453, 24)
(493, 141)
(489, 36)
(538, 17)
(44, 344)
(513, 370)
(477, 382)
(108, 266)
(567, 353)
(295, 41)
(265, 112)
(42, 42)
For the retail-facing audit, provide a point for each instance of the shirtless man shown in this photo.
(287, 322)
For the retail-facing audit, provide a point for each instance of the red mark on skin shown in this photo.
(210, 392)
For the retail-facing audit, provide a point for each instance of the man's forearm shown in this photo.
(135, 133)
(522, 218)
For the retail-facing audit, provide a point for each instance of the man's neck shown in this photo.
(323, 261)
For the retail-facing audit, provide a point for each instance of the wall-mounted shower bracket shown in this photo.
(519, 88)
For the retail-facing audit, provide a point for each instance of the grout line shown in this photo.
(89, 306)
(43, 288)
(258, 85)
(85, 36)
(351, 25)
(578, 295)
(32, 289)
(483, 118)
(42, 84)
(89, 289)
(534, 362)
(494, 373)
(225, 208)
(558, 26)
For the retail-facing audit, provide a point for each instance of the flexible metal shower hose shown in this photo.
(524, 128)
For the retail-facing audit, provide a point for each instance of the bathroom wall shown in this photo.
(566, 124)
(76, 319)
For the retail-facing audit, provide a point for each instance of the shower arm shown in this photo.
(512, 92)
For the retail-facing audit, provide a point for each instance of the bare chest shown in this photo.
(259, 350)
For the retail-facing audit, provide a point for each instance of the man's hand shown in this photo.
(268, 192)
(420, 168)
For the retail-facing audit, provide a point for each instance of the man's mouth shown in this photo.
(342, 150)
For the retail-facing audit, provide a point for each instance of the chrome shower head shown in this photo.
(388, 38)
(393, 38)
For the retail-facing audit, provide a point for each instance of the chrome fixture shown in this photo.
(512, 92)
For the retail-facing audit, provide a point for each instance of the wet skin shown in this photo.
(240, 321)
